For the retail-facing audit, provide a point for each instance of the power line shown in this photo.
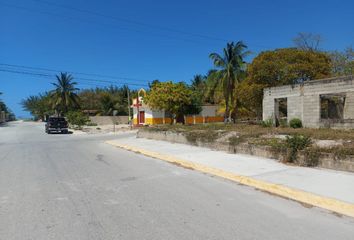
(132, 22)
(51, 76)
(48, 76)
(138, 23)
(200, 36)
(114, 26)
(72, 72)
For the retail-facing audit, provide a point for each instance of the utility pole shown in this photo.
(129, 119)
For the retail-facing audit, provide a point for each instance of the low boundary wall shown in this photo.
(109, 120)
(326, 160)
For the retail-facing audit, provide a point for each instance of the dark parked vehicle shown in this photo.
(56, 124)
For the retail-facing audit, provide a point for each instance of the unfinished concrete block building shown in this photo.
(318, 103)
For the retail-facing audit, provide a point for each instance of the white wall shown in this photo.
(209, 111)
(109, 120)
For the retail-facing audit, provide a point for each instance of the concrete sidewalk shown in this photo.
(321, 182)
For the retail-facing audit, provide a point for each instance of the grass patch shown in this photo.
(340, 151)
(201, 136)
(277, 146)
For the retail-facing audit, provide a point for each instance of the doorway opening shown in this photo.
(141, 117)
(281, 111)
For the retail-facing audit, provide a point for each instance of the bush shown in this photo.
(77, 118)
(267, 123)
(294, 144)
(295, 123)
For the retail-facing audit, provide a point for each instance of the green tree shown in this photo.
(108, 103)
(77, 118)
(39, 106)
(230, 69)
(153, 82)
(281, 67)
(114, 99)
(288, 66)
(90, 99)
(2, 104)
(342, 62)
(198, 82)
(199, 88)
(171, 97)
(64, 97)
(30, 104)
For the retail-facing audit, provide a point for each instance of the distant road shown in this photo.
(77, 187)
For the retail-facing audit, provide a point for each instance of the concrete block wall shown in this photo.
(209, 110)
(349, 106)
(311, 110)
(314, 89)
(295, 107)
(293, 95)
(109, 120)
(304, 100)
(268, 108)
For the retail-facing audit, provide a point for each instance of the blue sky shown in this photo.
(147, 40)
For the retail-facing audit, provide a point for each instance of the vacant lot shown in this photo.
(280, 139)
(257, 130)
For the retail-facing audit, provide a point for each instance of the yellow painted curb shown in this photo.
(283, 191)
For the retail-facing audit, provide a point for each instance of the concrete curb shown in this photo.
(330, 204)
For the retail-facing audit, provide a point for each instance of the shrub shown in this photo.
(294, 144)
(267, 123)
(77, 118)
(295, 123)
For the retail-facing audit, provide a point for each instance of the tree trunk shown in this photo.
(234, 113)
(227, 111)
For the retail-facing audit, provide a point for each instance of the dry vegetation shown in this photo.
(276, 138)
(255, 130)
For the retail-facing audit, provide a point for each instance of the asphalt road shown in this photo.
(77, 187)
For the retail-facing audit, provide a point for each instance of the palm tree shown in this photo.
(230, 68)
(39, 106)
(198, 85)
(64, 96)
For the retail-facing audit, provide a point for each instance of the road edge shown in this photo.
(330, 204)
